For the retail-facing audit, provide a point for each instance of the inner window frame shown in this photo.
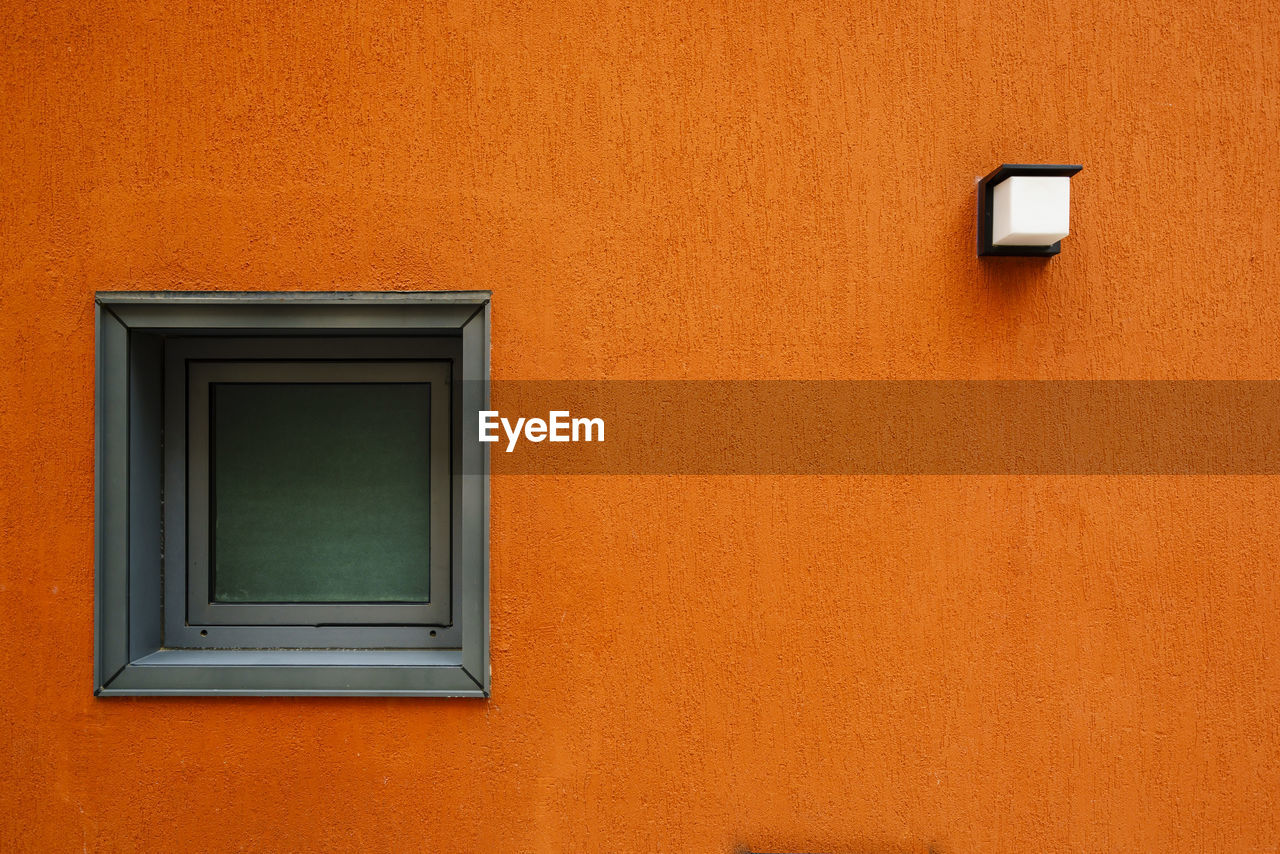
(199, 376)
(191, 365)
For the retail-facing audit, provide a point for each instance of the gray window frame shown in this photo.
(185, 624)
(199, 377)
(137, 649)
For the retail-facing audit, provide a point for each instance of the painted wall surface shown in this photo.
(680, 191)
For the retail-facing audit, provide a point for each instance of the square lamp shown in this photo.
(1024, 210)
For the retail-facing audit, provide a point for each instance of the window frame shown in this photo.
(137, 650)
(200, 492)
(189, 364)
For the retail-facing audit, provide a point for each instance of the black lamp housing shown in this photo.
(986, 189)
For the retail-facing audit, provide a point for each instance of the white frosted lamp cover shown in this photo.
(1030, 210)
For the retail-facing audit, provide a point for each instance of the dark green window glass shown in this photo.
(321, 492)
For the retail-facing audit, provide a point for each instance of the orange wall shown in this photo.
(785, 190)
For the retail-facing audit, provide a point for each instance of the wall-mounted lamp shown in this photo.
(1024, 209)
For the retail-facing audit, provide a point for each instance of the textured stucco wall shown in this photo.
(680, 190)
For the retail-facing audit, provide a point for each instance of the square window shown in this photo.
(287, 501)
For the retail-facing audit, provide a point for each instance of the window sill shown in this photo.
(297, 672)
